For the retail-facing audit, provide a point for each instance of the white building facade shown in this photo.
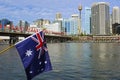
(116, 15)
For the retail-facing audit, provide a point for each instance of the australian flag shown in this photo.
(34, 55)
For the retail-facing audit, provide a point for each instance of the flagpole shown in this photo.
(4, 50)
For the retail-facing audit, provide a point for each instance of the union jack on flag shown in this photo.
(34, 55)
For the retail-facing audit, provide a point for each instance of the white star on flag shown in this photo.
(28, 53)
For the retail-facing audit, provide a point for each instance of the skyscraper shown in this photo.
(41, 22)
(116, 15)
(100, 21)
(87, 20)
(115, 19)
(71, 25)
(23, 25)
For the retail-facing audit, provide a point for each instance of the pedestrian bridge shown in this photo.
(49, 38)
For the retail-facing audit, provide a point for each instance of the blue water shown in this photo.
(70, 61)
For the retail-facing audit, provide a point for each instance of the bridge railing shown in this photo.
(30, 30)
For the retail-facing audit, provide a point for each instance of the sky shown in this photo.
(31, 10)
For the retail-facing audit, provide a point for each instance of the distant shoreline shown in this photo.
(97, 39)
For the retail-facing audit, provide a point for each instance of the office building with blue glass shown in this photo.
(71, 25)
(87, 20)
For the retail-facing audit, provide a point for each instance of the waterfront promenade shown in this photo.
(81, 39)
(98, 39)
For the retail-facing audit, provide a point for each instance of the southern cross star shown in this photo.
(28, 53)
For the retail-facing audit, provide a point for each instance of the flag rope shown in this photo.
(4, 50)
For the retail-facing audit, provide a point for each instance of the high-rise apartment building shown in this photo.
(115, 19)
(41, 22)
(100, 19)
(23, 25)
(87, 20)
(116, 15)
(111, 32)
(58, 19)
(71, 25)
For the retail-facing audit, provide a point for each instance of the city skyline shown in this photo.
(16, 10)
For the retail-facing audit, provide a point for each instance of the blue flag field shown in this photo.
(34, 55)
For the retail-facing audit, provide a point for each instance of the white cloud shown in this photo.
(34, 9)
(30, 10)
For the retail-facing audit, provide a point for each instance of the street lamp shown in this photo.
(79, 20)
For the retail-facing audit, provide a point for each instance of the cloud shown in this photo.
(31, 10)
(24, 13)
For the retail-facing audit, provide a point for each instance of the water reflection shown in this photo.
(106, 61)
(70, 61)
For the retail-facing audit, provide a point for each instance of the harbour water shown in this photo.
(70, 61)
